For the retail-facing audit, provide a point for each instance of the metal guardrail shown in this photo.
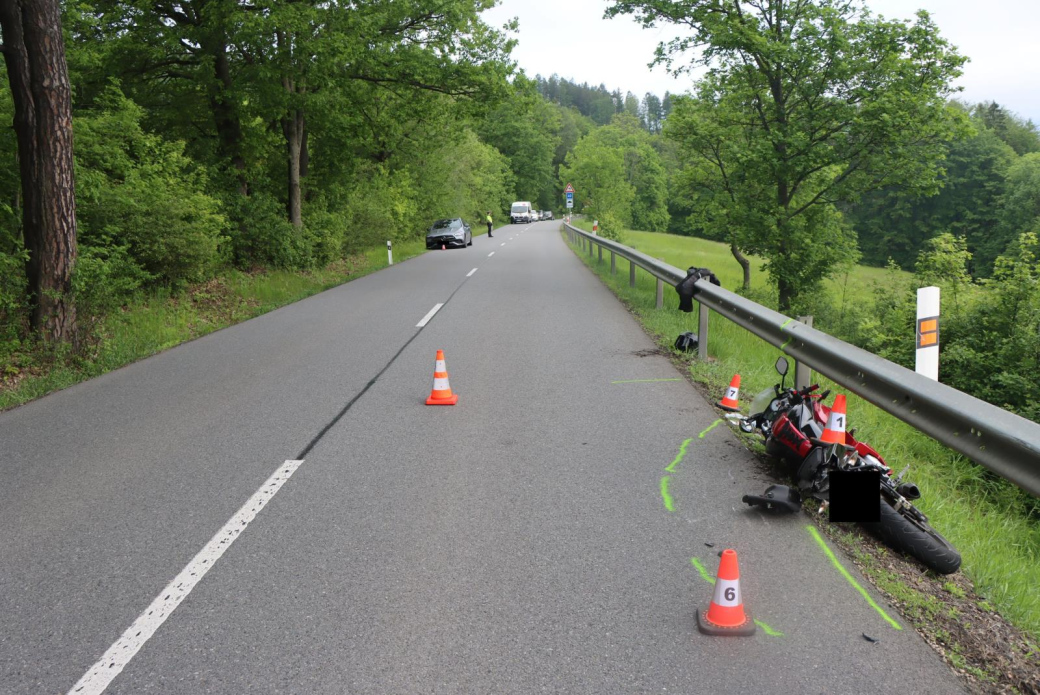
(1003, 442)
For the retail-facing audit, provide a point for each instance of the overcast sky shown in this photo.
(571, 38)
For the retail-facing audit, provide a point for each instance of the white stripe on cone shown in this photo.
(441, 384)
(836, 422)
(440, 367)
(731, 393)
(720, 593)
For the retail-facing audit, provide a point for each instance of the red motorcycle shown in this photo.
(792, 422)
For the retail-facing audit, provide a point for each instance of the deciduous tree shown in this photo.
(805, 105)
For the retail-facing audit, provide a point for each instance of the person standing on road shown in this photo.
(489, 224)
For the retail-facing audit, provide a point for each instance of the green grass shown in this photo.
(1000, 546)
(157, 321)
(682, 252)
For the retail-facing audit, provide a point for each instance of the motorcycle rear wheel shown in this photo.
(900, 530)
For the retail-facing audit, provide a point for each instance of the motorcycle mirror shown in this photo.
(781, 366)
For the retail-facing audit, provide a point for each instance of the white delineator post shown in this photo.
(928, 332)
(389, 252)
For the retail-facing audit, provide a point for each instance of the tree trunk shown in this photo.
(785, 293)
(744, 263)
(229, 128)
(294, 128)
(34, 51)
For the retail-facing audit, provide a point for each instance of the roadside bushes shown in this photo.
(141, 194)
(12, 305)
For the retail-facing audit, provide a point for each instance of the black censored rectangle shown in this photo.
(855, 496)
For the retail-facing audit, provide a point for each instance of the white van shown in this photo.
(520, 212)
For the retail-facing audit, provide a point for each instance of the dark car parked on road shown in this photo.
(451, 232)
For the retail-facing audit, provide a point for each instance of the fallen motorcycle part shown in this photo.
(776, 498)
(687, 342)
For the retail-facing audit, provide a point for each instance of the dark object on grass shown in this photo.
(779, 498)
(687, 342)
(686, 289)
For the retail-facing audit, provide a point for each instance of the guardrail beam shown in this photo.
(802, 372)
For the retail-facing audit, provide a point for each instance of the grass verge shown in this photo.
(1000, 546)
(158, 320)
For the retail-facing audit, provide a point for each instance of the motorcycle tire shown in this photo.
(916, 538)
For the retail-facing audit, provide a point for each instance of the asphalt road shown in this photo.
(517, 542)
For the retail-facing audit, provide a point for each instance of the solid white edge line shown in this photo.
(470, 273)
(491, 254)
(101, 674)
(426, 319)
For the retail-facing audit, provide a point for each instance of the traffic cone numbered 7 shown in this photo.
(729, 401)
(441, 393)
(725, 614)
(834, 432)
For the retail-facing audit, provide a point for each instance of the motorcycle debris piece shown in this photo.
(779, 498)
(710, 545)
(870, 639)
(687, 342)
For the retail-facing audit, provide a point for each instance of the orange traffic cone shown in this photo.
(725, 614)
(729, 401)
(441, 393)
(834, 432)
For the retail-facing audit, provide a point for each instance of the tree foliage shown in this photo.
(805, 106)
(619, 178)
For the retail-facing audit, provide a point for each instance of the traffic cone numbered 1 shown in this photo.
(441, 393)
(725, 614)
(729, 401)
(834, 432)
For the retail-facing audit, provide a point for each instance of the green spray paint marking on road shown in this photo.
(642, 381)
(703, 570)
(668, 503)
(768, 630)
(709, 429)
(711, 580)
(679, 457)
(845, 573)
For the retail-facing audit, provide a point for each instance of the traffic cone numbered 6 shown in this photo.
(834, 432)
(725, 614)
(729, 401)
(441, 393)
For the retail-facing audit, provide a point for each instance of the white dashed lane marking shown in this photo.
(426, 319)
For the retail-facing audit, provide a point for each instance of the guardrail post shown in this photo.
(599, 250)
(803, 372)
(660, 293)
(702, 332)
(613, 264)
(631, 273)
